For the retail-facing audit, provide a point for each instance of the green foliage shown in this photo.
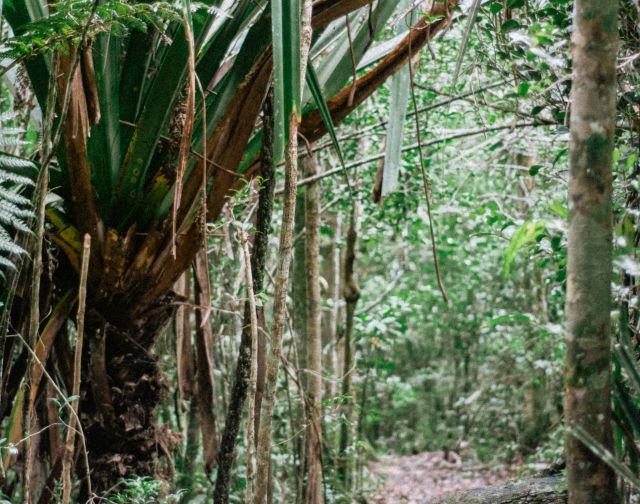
(142, 490)
(67, 20)
(528, 232)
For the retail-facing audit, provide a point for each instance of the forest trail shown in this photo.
(423, 478)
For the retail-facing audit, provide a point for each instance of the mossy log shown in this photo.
(547, 490)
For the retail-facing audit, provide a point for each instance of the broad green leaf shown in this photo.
(527, 233)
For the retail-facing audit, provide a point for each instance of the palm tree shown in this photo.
(156, 136)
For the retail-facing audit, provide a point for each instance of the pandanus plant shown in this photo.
(158, 125)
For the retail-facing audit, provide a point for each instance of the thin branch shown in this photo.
(425, 182)
(376, 157)
(67, 456)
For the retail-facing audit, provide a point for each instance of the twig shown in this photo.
(384, 122)
(77, 369)
(381, 297)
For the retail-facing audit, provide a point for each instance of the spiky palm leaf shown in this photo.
(118, 184)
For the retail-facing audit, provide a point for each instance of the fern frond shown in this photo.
(13, 197)
(7, 263)
(13, 178)
(15, 210)
(11, 248)
(13, 163)
(11, 142)
(9, 219)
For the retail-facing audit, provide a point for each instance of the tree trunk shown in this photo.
(205, 381)
(588, 380)
(549, 490)
(243, 366)
(121, 387)
(314, 493)
(299, 281)
(351, 295)
(331, 270)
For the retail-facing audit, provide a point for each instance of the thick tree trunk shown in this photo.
(121, 387)
(588, 381)
(314, 493)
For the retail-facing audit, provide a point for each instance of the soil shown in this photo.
(428, 477)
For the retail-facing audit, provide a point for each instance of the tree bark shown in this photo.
(263, 451)
(351, 295)
(205, 381)
(124, 385)
(243, 366)
(314, 493)
(277, 326)
(331, 273)
(299, 280)
(549, 490)
(588, 379)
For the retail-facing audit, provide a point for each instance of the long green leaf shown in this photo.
(135, 69)
(104, 143)
(629, 365)
(630, 413)
(473, 12)
(316, 92)
(287, 88)
(158, 105)
(605, 455)
(398, 102)
(19, 13)
(335, 71)
(158, 201)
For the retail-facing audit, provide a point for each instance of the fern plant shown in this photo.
(17, 175)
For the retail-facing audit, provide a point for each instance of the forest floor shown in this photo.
(425, 477)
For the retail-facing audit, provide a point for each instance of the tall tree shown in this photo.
(290, 57)
(314, 493)
(588, 381)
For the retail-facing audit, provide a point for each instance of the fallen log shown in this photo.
(545, 490)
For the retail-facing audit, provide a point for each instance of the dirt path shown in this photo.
(422, 478)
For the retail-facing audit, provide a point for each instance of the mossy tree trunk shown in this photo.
(588, 381)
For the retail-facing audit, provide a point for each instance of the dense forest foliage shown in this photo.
(279, 251)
